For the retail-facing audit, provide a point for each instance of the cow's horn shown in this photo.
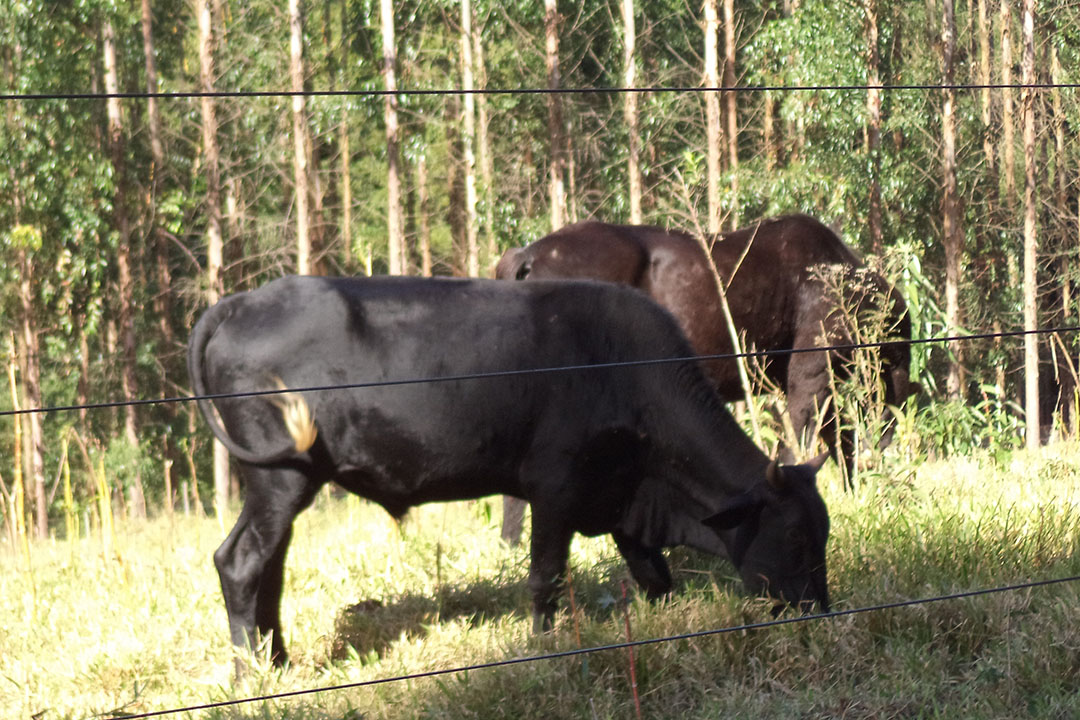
(818, 462)
(773, 477)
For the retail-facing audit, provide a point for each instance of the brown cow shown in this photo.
(776, 299)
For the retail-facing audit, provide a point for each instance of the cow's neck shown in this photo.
(721, 457)
(699, 458)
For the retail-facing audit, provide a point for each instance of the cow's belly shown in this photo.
(410, 447)
(397, 493)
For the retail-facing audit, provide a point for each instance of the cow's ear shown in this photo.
(735, 511)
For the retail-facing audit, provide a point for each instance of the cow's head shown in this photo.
(780, 527)
(586, 250)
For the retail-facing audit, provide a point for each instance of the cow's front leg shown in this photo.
(550, 548)
(647, 565)
(251, 561)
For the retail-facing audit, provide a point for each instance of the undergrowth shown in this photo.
(366, 599)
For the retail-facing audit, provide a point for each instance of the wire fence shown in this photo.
(416, 92)
(763, 354)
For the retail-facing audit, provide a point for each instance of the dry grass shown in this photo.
(367, 600)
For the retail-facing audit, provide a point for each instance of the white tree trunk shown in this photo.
(214, 244)
(1031, 315)
(714, 131)
(469, 141)
(395, 224)
(732, 136)
(953, 234)
(630, 112)
(125, 280)
(557, 163)
(300, 144)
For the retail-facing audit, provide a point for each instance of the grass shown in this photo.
(81, 637)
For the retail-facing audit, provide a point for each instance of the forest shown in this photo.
(158, 156)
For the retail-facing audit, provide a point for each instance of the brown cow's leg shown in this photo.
(807, 392)
(250, 562)
(513, 519)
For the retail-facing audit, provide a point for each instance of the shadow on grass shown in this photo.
(371, 626)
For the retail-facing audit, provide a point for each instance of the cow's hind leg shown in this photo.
(647, 565)
(251, 561)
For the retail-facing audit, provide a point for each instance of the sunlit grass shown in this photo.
(367, 599)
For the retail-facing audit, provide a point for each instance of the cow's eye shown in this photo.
(523, 272)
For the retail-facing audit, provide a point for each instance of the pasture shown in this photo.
(82, 635)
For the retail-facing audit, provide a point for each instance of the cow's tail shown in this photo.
(295, 411)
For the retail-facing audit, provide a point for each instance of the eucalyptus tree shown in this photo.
(1031, 244)
(55, 237)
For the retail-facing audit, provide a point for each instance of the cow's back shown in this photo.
(442, 411)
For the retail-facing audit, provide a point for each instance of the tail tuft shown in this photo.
(297, 416)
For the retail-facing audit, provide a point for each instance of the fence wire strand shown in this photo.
(546, 657)
(536, 371)
(416, 92)
(528, 91)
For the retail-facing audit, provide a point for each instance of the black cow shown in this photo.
(644, 452)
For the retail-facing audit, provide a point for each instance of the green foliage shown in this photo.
(25, 238)
(126, 463)
(946, 429)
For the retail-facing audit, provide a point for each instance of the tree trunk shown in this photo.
(1031, 318)
(487, 162)
(346, 153)
(124, 280)
(469, 141)
(300, 139)
(630, 112)
(82, 386)
(714, 137)
(986, 109)
(953, 234)
(732, 135)
(395, 220)
(212, 208)
(424, 211)
(873, 128)
(1061, 192)
(28, 336)
(1008, 157)
(557, 161)
(163, 297)
(31, 352)
(157, 152)
(769, 130)
(455, 185)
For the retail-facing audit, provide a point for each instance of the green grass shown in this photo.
(366, 600)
